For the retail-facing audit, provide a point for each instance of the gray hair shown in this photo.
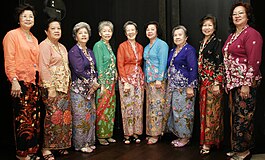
(129, 23)
(105, 23)
(79, 26)
(180, 27)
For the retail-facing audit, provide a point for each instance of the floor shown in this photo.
(160, 151)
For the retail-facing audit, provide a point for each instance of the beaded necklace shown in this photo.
(233, 38)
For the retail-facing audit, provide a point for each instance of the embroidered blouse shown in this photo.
(130, 63)
(182, 68)
(105, 63)
(83, 70)
(21, 56)
(242, 58)
(155, 63)
(54, 69)
(210, 61)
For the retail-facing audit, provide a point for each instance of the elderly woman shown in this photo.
(84, 84)
(242, 58)
(182, 82)
(55, 81)
(21, 53)
(155, 56)
(131, 83)
(107, 76)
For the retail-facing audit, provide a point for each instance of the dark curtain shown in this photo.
(168, 12)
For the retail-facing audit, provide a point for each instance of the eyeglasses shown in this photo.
(238, 14)
(27, 17)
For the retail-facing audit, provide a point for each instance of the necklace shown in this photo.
(55, 47)
(233, 38)
(176, 53)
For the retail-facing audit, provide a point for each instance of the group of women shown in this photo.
(78, 87)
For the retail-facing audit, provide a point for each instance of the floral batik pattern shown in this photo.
(84, 118)
(58, 121)
(27, 120)
(155, 106)
(132, 109)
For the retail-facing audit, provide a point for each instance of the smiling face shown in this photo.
(179, 37)
(106, 33)
(82, 36)
(151, 31)
(239, 16)
(130, 32)
(26, 19)
(208, 28)
(54, 31)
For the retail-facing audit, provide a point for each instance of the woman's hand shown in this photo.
(158, 84)
(102, 88)
(94, 87)
(126, 88)
(51, 94)
(216, 89)
(15, 89)
(190, 92)
(244, 92)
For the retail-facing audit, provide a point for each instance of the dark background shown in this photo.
(167, 12)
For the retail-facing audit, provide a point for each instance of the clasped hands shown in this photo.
(244, 92)
(94, 87)
(190, 92)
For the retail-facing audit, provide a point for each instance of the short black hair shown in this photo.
(209, 17)
(21, 8)
(249, 12)
(50, 20)
(158, 28)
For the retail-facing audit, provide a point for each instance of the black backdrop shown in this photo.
(167, 12)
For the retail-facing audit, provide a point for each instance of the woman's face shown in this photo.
(54, 31)
(151, 31)
(239, 16)
(179, 37)
(82, 36)
(26, 19)
(208, 28)
(130, 32)
(106, 33)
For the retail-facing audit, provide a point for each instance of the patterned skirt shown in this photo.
(26, 111)
(84, 118)
(132, 109)
(211, 117)
(155, 109)
(181, 116)
(57, 121)
(106, 105)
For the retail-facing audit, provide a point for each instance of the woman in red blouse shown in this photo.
(131, 83)
(242, 57)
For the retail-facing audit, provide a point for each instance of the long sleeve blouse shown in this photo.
(242, 58)
(21, 56)
(183, 68)
(105, 63)
(54, 68)
(130, 62)
(80, 65)
(210, 61)
(155, 63)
